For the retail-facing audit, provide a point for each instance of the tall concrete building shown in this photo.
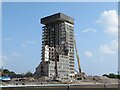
(57, 44)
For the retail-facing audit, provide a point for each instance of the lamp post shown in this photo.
(118, 80)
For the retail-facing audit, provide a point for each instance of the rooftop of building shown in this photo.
(57, 17)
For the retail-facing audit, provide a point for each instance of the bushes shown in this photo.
(6, 72)
(112, 75)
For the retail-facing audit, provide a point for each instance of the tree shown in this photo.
(28, 74)
(6, 72)
(112, 75)
(106, 75)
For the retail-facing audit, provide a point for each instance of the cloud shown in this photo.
(88, 54)
(89, 30)
(7, 39)
(100, 59)
(112, 30)
(16, 54)
(2, 59)
(109, 19)
(26, 43)
(110, 48)
(30, 42)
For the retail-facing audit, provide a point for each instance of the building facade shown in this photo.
(57, 44)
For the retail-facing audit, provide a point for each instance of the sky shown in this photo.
(60, 1)
(95, 31)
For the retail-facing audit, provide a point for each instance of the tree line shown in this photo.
(12, 74)
(112, 75)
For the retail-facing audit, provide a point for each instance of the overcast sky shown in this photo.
(95, 31)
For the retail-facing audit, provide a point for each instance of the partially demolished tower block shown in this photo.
(57, 44)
